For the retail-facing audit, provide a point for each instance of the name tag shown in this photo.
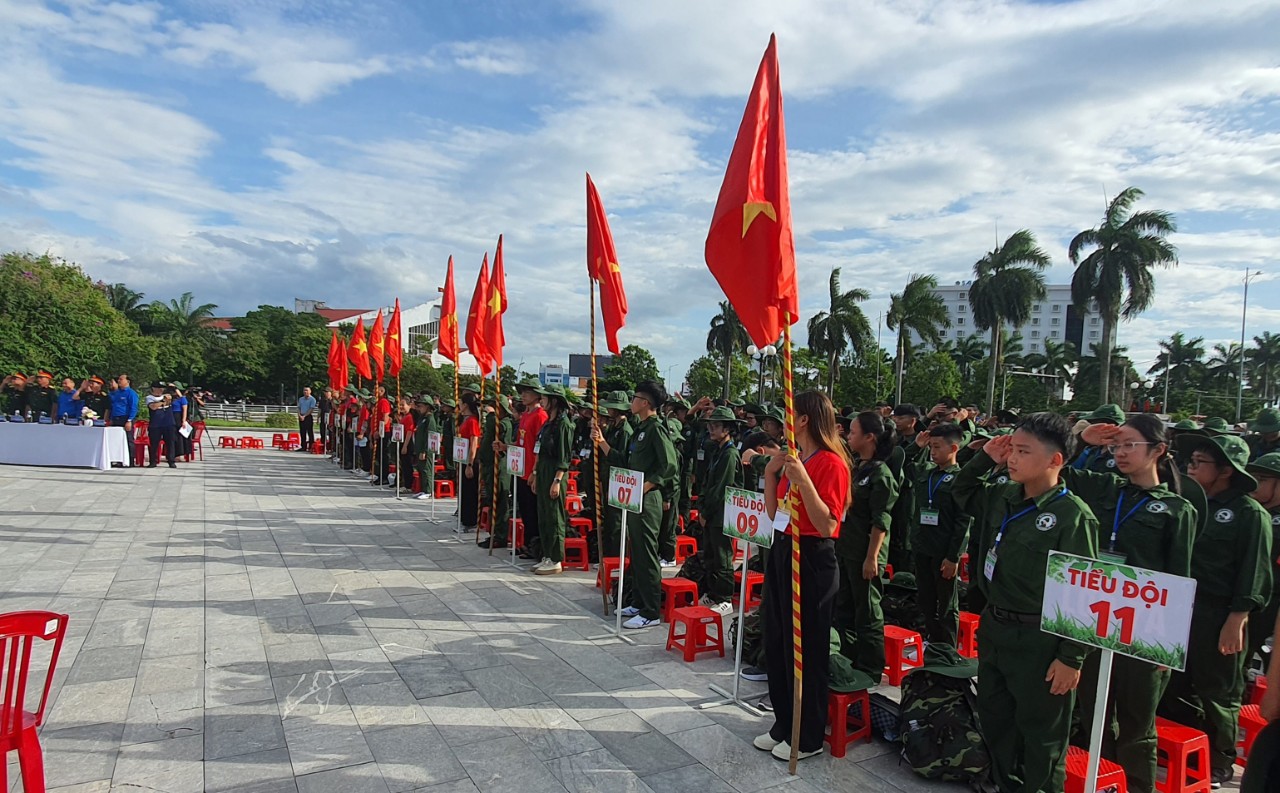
(781, 519)
(702, 455)
(537, 445)
(928, 517)
(584, 453)
(989, 565)
(760, 484)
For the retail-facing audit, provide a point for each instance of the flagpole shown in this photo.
(493, 486)
(797, 653)
(373, 436)
(595, 454)
(399, 446)
(479, 413)
(457, 511)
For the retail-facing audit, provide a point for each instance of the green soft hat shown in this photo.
(1268, 465)
(737, 403)
(449, 403)
(1007, 416)
(943, 659)
(364, 393)
(504, 402)
(472, 387)
(1215, 425)
(529, 384)
(774, 412)
(178, 385)
(1231, 447)
(752, 409)
(422, 399)
(1268, 421)
(725, 415)
(552, 390)
(675, 400)
(1187, 425)
(615, 400)
(1105, 414)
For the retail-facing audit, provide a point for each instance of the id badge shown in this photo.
(702, 455)
(760, 485)
(989, 566)
(781, 519)
(584, 453)
(1112, 557)
(537, 445)
(928, 517)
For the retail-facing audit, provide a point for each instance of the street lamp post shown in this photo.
(1134, 386)
(759, 355)
(1244, 312)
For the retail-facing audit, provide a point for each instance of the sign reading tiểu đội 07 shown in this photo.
(626, 489)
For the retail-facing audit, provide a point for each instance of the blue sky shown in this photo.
(253, 151)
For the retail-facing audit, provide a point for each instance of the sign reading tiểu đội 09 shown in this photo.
(745, 517)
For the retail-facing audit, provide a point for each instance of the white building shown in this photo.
(1054, 318)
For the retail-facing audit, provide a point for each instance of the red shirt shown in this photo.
(384, 414)
(830, 477)
(470, 428)
(530, 425)
(362, 425)
(409, 425)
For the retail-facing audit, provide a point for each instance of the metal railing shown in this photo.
(238, 412)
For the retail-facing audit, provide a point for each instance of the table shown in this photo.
(60, 445)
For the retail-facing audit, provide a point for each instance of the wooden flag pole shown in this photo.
(493, 485)
(600, 502)
(797, 653)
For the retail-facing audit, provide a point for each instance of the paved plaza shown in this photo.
(262, 621)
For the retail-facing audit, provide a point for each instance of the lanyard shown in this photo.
(933, 488)
(1083, 459)
(1004, 524)
(1117, 520)
(805, 461)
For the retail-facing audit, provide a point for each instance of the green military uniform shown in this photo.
(1262, 623)
(485, 457)
(618, 436)
(670, 516)
(14, 399)
(1154, 529)
(426, 459)
(506, 433)
(652, 453)
(1097, 458)
(98, 402)
(554, 451)
(941, 531)
(900, 555)
(724, 470)
(447, 429)
(1267, 423)
(582, 449)
(39, 400)
(858, 616)
(1026, 726)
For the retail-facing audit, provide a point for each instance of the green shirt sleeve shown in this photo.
(1252, 586)
(1091, 486)
(884, 494)
(564, 445)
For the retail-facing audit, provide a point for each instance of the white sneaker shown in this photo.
(541, 564)
(423, 496)
(667, 563)
(391, 479)
(549, 568)
(640, 622)
(373, 477)
(359, 472)
(630, 611)
(765, 743)
(783, 752)
(718, 607)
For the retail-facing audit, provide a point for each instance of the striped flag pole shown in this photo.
(601, 499)
(797, 654)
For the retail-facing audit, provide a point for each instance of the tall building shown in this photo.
(1054, 318)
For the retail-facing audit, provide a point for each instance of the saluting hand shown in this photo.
(1099, 434)
(998, 449)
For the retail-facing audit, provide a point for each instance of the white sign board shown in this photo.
(433, 442)
(515, 460)
(1130, 610)
(745, 517)
(461, 450)
(351, 425)
(626, 489)
(397, 433)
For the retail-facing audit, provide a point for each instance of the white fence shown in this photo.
(237, 412)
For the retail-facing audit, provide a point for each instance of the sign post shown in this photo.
(461, 453)
(351, 428)
(515, 467)
(747, 522)
(1117, 608)
(626, 492)
(397, 435)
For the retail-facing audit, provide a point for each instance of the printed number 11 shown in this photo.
(1123, 615)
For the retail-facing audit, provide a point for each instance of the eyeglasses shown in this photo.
(1197, 461)
(1129, 446)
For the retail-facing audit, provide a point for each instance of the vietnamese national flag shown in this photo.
(395, 353)
(447, 337)
(602, 266)
(750, 246)
(358, 352)
(496, 305)
(332, 359)
(341, 374)
(377, 345)
(476, 320)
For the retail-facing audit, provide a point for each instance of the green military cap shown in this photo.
(1007, 416)
(615, 400)
(1216, 426)
(504, 402)
(422, 399)
(724, 415)
(1268, 421)
(572, 398)
(675, 400)
(472, 387)
(364, 393)
(529, 384)
(178, 385)
(1231, 448)
(1267, 465)
(773, 412)
(1105, 414)
(752, 409)
(1186, 425)
(737, 403)
(449, 403)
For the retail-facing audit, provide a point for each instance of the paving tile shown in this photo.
(106, 663)
(506, 765)
(596, 771)
(731, 758)
(269, 770)
(233, 730)
(174, 766)
(414, 756)
(641, 749)
(504, 686)
(93, 748)
(465, 719)
(354, 779)
(164, 715)
(91, 703)
(324, 742)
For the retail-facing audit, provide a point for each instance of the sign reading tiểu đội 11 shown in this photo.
(626, 489)
(745, 517)
(1130, 610)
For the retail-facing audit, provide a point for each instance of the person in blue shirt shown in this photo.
(124, 409)
(181, 444)
(161, 429)
(68, 404)
(306, 420)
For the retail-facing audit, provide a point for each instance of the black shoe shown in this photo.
(173, 465)
(485, 543)
(152, 465)
(1220, 776)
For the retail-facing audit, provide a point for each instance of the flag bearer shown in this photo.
(503, 433)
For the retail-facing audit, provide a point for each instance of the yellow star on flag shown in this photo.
(754, 209)
(361, 347)
(495, 303)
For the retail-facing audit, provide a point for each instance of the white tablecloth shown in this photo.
(59, 445)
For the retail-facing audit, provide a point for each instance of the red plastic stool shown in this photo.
(277, 441)
(257, 443)
(677, 589)
(903, 651)
(755, 588)
(226, 442)
(519, 538)
(608, 566)
(317, 447)
(888, 571)
(575, 553)
(573, 504)
(244, 442)
(19, 632)
(968, 638)
(1183, 753)
(694, 515)
(686, 546)
(417, 483)
(444, 488)
(1251, 723)
(1258, 690)
(695, 638)
(571, 488)
(582, 526)
(482, 523)
(838, 734)
(1110, 775)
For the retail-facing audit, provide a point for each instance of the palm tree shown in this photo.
(1056, 364)
(1180, 358)
(183, 319)
(1007, 280)
(965, 352)
(918, 307)
(843, 323)
(726, 337)
(1117, 275)
(1265, 358)
(1223, 366)
(126, 301)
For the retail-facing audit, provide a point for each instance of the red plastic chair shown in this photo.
(17, 724)
(294, 442)
(196, 446)
(277, 440)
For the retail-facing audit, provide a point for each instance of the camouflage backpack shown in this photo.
(939, 723)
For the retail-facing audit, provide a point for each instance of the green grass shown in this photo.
(228, 424)
(1173, 657)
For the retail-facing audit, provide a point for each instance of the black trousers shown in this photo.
(818, 585)
(324, 430)
(527, 503)
(128, 438)
(307, 429)
(166, 434)
(470, 503)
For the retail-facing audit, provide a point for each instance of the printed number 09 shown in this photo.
(748, 524)
(1102, 609)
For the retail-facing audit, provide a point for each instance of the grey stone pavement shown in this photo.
(262, 621)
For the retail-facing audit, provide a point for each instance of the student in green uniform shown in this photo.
(1266, 437)
(723, 471)
(671, 513)
(1097, 458)
(1231, 562)
(651, 453)
(863, 545)
(1266, 469)
(1026, 678)
(940, 530)
(554, 450)
(617, 435)
(1144, 521)
(504, 434)
(426, 459)
(448, 424)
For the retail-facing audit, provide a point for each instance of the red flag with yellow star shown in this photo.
(358, 352)
(496, 305)
(750, 247)
(378, 345)
(447, 341)
(602, 266)
(395, 353)
(335, 354)
(476, 320)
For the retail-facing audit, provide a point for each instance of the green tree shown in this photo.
(182, 318)
(1265, 361)
(1007, 280)
(918, 307)
(419, 377)
(241, 366)
(1181, 362)
(966, 352)
(857, 385)
(126, 301)
(1116, 274)
(842, 324)
(727, 337)
(630, 367)
(705, 377)
(1056, 364)
(930, 376)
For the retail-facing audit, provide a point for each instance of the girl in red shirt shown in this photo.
(814, 478)
(469, 429)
